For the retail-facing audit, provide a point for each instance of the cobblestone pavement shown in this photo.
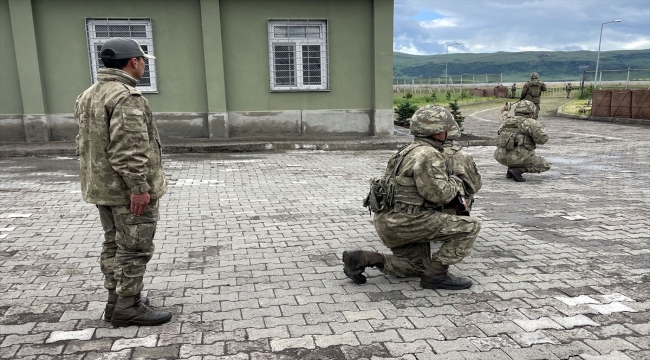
(248, 259)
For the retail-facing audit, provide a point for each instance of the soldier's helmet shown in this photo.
(525, 107)
(431, 119)
(534, 76)
(454, 134)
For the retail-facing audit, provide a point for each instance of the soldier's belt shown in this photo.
(414, 209)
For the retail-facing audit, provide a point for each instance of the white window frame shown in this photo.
(298, 42)
(147, 41)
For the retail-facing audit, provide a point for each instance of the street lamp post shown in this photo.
(446, 56)
(598, 57)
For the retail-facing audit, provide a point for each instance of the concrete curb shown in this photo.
(602, 119)
(208, 146)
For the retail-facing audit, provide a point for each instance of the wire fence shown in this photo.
(454, 83)
(616, 79)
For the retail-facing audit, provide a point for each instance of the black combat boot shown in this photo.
(129, 311)
(355, 262)
(514, 173)
(112, 299)
(437, 277)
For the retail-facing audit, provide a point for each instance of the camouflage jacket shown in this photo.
(532, 90)
(518, 139)
(462, 165)
(118, 142)
(424, 170)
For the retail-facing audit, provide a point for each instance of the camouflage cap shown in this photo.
(431, 119)
(525, 107)
(534, 76)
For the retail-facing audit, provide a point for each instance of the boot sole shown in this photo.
(125, 323)
(444, 287)
(355, 275)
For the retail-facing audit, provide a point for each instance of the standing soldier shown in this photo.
(532, 91)
(514, 90)
(424, 184)
(568, 90)
(121, 172)
(517, 141)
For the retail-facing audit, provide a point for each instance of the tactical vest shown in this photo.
(406, 191)
(511, 137)
(535, 88)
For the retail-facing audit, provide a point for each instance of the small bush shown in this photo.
(408, 96)
(448, 95)
(405, 111)
(458, 116)
(586, 92)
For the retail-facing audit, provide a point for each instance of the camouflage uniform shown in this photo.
(532, 92)
(514, 90)
(568, 89)
(425, 186)
(461, 164)
(116, 161)
(518, 138)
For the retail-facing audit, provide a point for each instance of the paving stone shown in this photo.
(171, 339)
(614, 355)
(17, 329)
(119, 355)
(34, 349)
(8, 351)
(410, 335)
(530, 353)
(125, 332)
(55, 336)
(528, 339)
(162, 352)
(643, 329)
(612, 308)
(399, 349)
(533, 325)
(189, 350)
(608, 345)
(494, 354)
(83, 346)
(441, 347)
(149, 341)
(305, 342)
(492, 329)
(276, 332)
(235, 347)
(455, 332)
(489, 343)
(577, 300)
(574, 321)
(24, 339)
(367, 338)
(348, 338)
(643, 342)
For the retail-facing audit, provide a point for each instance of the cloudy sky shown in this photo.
(483, 26)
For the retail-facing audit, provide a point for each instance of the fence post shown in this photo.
(486, 75)
(627, 82)
(472, 81)
(500, 78)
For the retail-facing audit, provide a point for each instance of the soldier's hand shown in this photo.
(139, 202)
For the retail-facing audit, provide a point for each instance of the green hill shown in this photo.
(551, 65)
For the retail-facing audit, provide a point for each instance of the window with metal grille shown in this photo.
(298, 56)
(100, 30)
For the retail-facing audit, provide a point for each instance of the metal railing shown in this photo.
(455, 83)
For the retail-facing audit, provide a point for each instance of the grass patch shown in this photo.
(574, 107)
(420, 100)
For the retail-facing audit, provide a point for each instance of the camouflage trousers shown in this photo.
(412, 255)
(536, 113)
(128, 246)
(533, 164)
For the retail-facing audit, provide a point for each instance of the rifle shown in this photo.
(459, 203)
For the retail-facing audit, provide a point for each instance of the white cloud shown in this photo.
(520, 25)
(438, 23)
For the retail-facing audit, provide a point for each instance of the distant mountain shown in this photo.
(551, 65)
